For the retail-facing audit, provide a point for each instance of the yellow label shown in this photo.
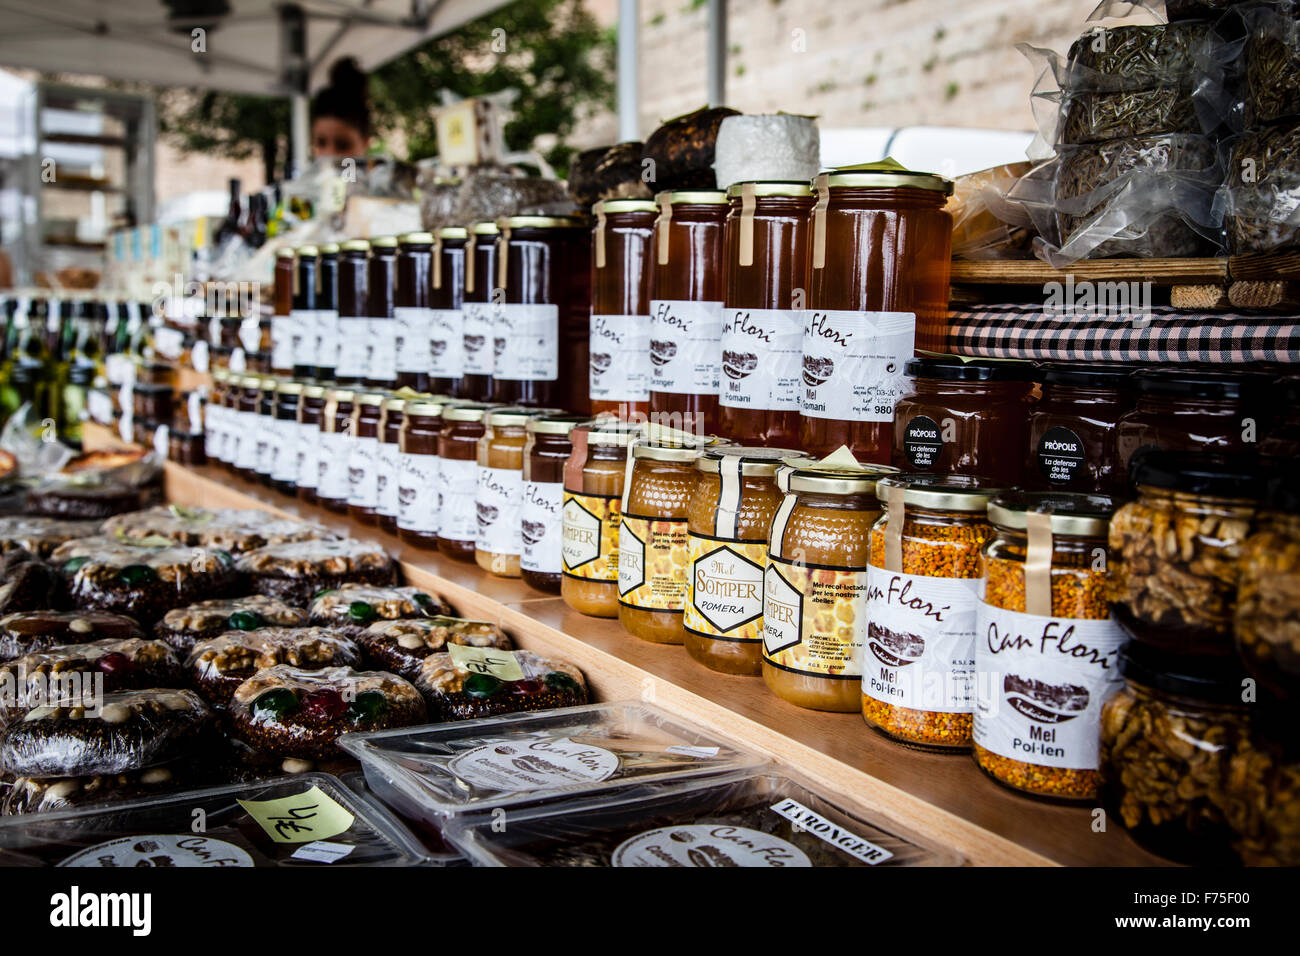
(589, 542)
(724, 589)
(310, 815)
(502, 665)
(814, 618)
(652, 556)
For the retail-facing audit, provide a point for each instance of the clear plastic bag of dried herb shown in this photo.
(1261, 196)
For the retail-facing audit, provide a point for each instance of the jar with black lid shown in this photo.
(363, 460)
(282, 321)
(266, 443)
(246, 431)
(476, 312)
(311, 409)
(1190, 409)
(963, 418)
(419, 491)
(305, 314)
(337, 423)
(1282, 439)
(411, 310)
(462, 427)
(446, 301)
(327, 316)
(284, 470)
(351, 366)
(381, 285)
(152, 403)
(546, 450)
(1072, 428)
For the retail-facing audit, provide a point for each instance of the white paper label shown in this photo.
(250, 334)
(1040, 684)
(761, 353)
(200, 357)
(412, 338)
(387, 465)
(308, 446)
(526, 342)
(446, 343)
(162, 441)
(476, 336)
(418, 498)
(100, 407)
(853, 363)
(335, 450)
(353, 350)
(266, 442)
(322, 851)
(327, 338)
(246, 439)
(539, 525)
(213, 432)
(119, 369)
(458, 488)
(161, 850)
(363, 474)
(168, 342)
(685, 750)
(920, 641)
(685, 347)
(521, 766)
(381, 359)
(306, 336)
(500, 494)
(620, 358)
(285, 467)
(711, 845)
(284, 330)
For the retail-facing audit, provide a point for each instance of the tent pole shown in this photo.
(628, 42)
(299, 133)
(296, 78)
(717, 62)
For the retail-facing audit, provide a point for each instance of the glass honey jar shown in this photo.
(620, 307)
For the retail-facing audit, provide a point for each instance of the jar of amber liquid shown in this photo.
(686, 310)
(923, 586)
(476, 312)
(881, 246)
(363, 458)
(1072, 428)
(765, 243)
(1046, 649)
(815, 588)
(620, 307)
(652, 539)
(337, 424)
(284, 469)
(282, 321)
(311, 411)
(462, 427)
(500, 493)
(388, 461)
(417, 476)
(728, 520)
(411, 311)
(352, 361)
(540, 328)
(266, 446)
(589, 522)
(250, 390)
(327, 314)
(964, 418)
(546, 450)
(446, 301)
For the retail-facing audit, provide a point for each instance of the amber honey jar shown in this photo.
(540, 326)
(411, 311)
(476, 312)
(1046, 649)
(351, 362)
(546, 450)
(500, 495)
(878, 290)
(363, 458)
(815, 587)
(653, 538)
(923, 585)
(446, 321)
(462, 427)
(282, 320)
(1072, 428)
(620, 307)
(964, 418)
(593, 492)
(337, 423)
(728, 520)
(418, 492)
(765, 249)
(686, 309)
(311, 412)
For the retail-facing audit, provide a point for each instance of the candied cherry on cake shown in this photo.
(522, 687)
(275, 703)
(246, 621)
(369, 705)
(73, 565)
(361, 612)
(324, 704)
(481, 685)
(424, 602)
(557, 680)
(114, 662)
(134, 574)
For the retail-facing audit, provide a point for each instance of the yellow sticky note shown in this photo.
(311, 815)
(503, 665)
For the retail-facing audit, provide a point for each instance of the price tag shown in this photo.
(322, 851)
(682, 750)
(304, 818)
(503, 665)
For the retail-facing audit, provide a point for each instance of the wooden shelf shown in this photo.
(944, 797)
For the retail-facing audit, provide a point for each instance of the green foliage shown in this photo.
(227, 124)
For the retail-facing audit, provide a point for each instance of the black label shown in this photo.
(922, 442)
(1060, 455)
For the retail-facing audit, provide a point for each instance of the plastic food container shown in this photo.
(1178, 548)
(743, 819)
(438, 851)
(1046, 648)
(923, 584)
(528, 760)
(160, 831)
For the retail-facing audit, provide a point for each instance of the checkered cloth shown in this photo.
(1168, 335)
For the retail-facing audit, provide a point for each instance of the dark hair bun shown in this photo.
(347, 79)
(345, 98)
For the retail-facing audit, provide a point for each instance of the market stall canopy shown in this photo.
(243, 43)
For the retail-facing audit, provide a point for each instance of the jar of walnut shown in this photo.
(1177, 549)
(1268, 595)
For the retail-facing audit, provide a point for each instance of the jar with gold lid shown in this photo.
(353, 303)
(418, 488)
(501, 489)
(284, 468)
(363, 458)
(728, 520)
(546, 450)
(620, 307)
(389, 459)
(282, 320)
(337, 423)
(311, 415)
(462, 427)
(265, 438)
(246, 406)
